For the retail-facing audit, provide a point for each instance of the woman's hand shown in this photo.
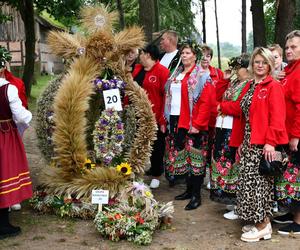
(294, 144)
(269, 152)
(194, 131)
(281, 75)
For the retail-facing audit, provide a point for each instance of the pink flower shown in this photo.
(228, 164)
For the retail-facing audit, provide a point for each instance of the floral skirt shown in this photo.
(224, 169)
(287, 187)
(189, 158)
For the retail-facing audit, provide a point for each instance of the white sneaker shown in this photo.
(208, 185)
(230, 207)
(154, 183)
(231, 215)
(16, 207)
(247, 228)
(254, 235)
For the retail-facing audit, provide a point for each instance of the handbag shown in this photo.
(274, 168)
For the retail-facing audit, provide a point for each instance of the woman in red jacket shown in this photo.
(288, 186)
(190, 96)
(152, 77)
(263, 108)
(223, 168)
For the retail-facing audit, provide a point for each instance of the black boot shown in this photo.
(194, 203)
(189, 190)
(196, 195)
(6, 229)
(184, 196)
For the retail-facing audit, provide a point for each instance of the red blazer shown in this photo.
(267, 114)
(291, 86)
(154, 84)
(202, 109)
(233, 108)
(216, 75)
(19, 85)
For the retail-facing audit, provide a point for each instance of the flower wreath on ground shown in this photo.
(134, 215)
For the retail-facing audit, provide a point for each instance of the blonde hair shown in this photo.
(266, 54)
(294, 33)
(276, 47)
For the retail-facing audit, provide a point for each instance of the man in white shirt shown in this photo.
(168, 43)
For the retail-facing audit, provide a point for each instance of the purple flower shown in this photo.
(107, 160)
(119, 137)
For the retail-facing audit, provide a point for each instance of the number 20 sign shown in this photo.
(112, 99)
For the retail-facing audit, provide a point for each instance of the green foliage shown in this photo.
(297, 18)
(4, 18)
(270, 19)
(173, 14)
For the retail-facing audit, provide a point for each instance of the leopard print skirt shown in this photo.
(255, 193)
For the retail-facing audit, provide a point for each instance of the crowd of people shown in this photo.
(222, 123)
(229, 123)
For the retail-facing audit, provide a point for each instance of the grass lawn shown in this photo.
(37, 89)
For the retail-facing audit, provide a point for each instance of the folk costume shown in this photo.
(15, 182)
(263, 108)
(153, 81)
(288, 185)
(186, 153)
(224, 169)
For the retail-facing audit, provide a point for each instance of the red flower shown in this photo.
(188, 160)
(118, 216)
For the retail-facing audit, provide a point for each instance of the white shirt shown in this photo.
(167, 58)
(20, 114)
(176, 95)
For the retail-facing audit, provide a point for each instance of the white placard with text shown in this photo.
(112, 99)
(100, 196)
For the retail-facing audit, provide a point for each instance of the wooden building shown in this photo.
(12, 36)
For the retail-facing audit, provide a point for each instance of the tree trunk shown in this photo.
(244, 30)
(121, 14)
(27, 14)
(258, 22)
(286, 12)
(203, 21)
(218, 40)
(146, 17)
(156, 15)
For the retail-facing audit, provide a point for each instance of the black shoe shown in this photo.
(186, 195)
(9, 231)
(292, 228)
(284, 219)
(193, 204)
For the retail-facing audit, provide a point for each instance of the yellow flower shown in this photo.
(124, 168)
(88, 164)
(148, 194)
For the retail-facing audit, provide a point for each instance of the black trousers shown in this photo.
(158, 152)
(193, 185)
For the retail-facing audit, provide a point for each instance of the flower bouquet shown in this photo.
(134, 217)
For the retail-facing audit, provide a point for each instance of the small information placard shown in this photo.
(112, 99)
(100, 196)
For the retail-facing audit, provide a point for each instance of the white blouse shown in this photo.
(20, 114)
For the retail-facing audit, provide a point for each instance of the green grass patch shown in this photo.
(37, 89)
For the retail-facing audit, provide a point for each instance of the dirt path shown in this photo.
(203, 228)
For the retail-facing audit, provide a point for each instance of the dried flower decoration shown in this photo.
(238, 62)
